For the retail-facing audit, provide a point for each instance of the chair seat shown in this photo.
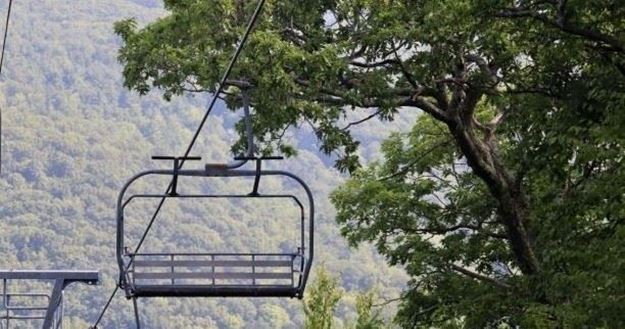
(214, 291)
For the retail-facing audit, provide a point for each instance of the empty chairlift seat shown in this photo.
(216, 274)
(268, 275)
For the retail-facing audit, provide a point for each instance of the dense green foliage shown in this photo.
(321, 301)
(369, 315)
(501, 202)
(72, 135)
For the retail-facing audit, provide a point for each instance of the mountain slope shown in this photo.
(73, 135)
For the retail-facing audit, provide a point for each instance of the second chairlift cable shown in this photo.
(4, 44)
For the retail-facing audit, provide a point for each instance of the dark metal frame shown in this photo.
(53, 317)
(304, 254)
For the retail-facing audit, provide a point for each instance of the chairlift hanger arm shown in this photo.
(177, 165)
(259, 161)
(249, 132)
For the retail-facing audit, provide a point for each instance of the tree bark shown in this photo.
(512, 209)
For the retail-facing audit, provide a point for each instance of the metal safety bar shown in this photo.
(53, 316)
(22, 311)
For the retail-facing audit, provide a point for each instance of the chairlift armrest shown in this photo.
(273, 157)
(169, 157)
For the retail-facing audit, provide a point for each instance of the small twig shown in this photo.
(416, 161)
(387, 301)
(367, 118)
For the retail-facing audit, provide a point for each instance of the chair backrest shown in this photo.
(214, 269)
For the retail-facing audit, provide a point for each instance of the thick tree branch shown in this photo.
(512, 206)
(239, 83)
(562, 23)
(430, 108)
(480, 277)
(498, 119)
(294, 36)
(403, 98)
(485, 67)
(363, 120)
(476, 228)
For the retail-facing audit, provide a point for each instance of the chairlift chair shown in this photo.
(216, 274)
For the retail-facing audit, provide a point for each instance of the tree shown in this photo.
(324, 295)
(499, 202)
(321, 300)
(368, 316)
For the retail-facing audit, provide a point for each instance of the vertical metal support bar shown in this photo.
(173, 281)
(213, 267)
(55, 299)
(257, 176)
(253, 270)
(132, 259)
(60, 312)
(302, 230)
(5, 299)
(292, 271)
(249, 132)
(7, 303)
(55, 323)
(4, 293)
(62, 308)
(137, 319)
(174, 181)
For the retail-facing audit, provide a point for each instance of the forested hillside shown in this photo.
(72, 135)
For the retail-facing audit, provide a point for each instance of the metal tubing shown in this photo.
(54, 311)
(214, 172)
(257, 177)
(215, 291)
(55, 300)
(248, 131)
(214, 254)
(137, 319)
(215, 196)
(173, 281)
(89, 277)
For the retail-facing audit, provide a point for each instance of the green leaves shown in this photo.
(500, 202)
(321, 301)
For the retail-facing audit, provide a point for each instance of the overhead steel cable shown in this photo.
(4, 44)
(6, 32)
(209, 109)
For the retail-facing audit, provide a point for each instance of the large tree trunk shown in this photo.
(512, 210)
